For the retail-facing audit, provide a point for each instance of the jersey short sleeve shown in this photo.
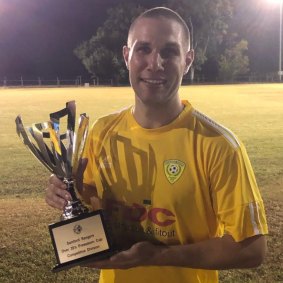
(236, 197)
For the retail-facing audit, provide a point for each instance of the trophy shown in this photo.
(81, 236)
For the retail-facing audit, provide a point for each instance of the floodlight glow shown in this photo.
(280, 3)
(275, 1)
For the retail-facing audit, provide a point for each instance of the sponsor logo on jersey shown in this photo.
(141, 218)
(139, 213)
(173, 170)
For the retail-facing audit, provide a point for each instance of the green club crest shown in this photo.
(173, 170)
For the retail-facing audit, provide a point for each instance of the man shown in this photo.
(178, 187)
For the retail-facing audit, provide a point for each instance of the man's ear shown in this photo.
(189, 60)
(126, 51)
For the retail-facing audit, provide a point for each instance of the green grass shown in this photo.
(253, 112)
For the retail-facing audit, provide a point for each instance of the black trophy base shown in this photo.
(81, 240)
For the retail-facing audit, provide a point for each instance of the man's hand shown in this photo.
(140, 254)
(57, 195)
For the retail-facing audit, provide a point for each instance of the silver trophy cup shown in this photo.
(81, 236)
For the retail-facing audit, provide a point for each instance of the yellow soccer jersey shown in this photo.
(185, 182)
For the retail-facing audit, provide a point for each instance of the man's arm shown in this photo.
(216, 253)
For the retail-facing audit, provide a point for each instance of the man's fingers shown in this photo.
(56, 194)
(54, 180)
(59, 203)
(56, 197)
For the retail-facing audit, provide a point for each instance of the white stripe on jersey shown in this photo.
(230, 137)
(254, 217)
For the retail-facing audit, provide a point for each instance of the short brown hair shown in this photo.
(166, 13)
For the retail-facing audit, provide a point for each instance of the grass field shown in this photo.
(253, 112)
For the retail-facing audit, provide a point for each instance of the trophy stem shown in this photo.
(74, 207)
(69, 182)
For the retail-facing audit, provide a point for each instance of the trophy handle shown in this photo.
(22, 133)
(79, 142)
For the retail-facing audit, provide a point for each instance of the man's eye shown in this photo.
(143, 49)
(169, 52)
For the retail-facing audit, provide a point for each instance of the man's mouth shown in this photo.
(155, 82)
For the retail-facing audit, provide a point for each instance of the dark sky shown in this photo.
(37, 37)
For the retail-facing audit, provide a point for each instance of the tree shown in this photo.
(208, 21)
(102, 54)
(234, 62)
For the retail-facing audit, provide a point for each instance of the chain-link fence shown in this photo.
(54, 82)
(81, 81)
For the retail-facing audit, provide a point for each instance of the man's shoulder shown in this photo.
(210, 128)
(109, 119)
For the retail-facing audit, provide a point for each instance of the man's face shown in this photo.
(157, 58)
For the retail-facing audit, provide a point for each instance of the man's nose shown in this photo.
(156, 62)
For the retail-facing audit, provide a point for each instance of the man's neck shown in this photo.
(156, 116)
